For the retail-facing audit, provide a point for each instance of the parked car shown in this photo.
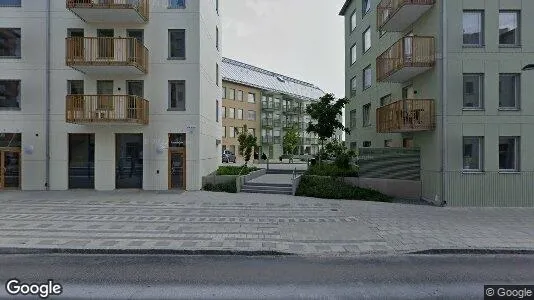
(228, 156)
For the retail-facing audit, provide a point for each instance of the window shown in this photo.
(388, 143)
(217, 38)
(366, 115)
(385, 100)
(251, 115)
(353, 21)
(224, 132)
(217, 6)
(231, 94)
(473, 28)
(509, 153)
(231, 132)
(366, 39)
(252, 131)
(177, 95)
(231, 113)
(217, 74)
(10, 3)
(367, 144)
(224, 112)
(10, 42)
(473, 153)
(240, 96)
(224, 93)
(509, 28)
(353, 118)
(473, 91)
(366, 7)
(75, 87)
(177, 43)
(251, 98)
(176, 3)
(240, 114)
(367, 77)
(9, 94)
(353, 54)
(217, 111)
(353, 85)
(509, 85)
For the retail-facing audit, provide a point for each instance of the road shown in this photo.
(285, 277)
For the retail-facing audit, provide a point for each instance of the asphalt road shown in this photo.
(238, 277)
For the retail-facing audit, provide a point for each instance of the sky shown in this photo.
(297, 38)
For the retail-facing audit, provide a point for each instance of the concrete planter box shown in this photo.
(239, 180)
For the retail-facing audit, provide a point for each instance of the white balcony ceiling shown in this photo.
(109, 15)
(407, 15)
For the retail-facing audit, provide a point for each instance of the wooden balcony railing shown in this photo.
(106, 51)
(406, 116)
(267, 122)
(408, 52)
(141, 6)
(84, 109)
(386, 9)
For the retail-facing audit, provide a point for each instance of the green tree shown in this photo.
(291, 142)
(324, 117)
(247, 144)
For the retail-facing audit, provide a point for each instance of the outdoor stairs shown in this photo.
(284, 171)
(267, 188)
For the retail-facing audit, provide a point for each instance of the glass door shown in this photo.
(138, 35)
(10, 169)
(77, 46)
(177, 168)
(129, 161)
(106, 46)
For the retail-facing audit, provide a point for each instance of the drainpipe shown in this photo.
(47, 98)
(444, 95)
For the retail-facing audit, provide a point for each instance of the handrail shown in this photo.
(106, 108)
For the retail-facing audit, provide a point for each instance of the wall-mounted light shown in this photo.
(28, 149)
(160, 148)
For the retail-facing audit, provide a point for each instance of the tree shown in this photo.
(324, 117)
(247, 144)
(291, 142)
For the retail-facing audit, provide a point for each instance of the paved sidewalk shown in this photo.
(251, 222)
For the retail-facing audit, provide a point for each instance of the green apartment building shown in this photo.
(446, 77)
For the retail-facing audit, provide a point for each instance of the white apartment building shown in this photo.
(109, 94)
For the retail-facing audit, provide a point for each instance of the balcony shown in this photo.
(408, 115)
(107, 55)
(110, 11)
(267, 139)
(291, 110)
(407, 58)
(107, 109)
(267, 123)
(268, 106)
(397, 15)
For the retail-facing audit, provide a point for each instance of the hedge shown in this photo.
(328, 169)
(335, 188)
(221, 187)
(235, 170)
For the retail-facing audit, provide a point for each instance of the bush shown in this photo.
(229, 187)
(332, 170)
(235, 170)
(335, 188)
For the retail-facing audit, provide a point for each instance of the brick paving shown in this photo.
(251, 222)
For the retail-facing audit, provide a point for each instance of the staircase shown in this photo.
(267, 188)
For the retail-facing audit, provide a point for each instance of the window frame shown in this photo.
(517, 100)
(480, 77)
(364, 38)
(254, 114)
(517, 158)
(253, 98)
(480, 163)
(18, 46)
(170, 108)
(18, 98)
(239, 110)
(230, 94)
(353, 118)
(366, 7)
(170, 4)
(353, 86)
(518, 28)
(353, 18)
(170, 57)
(482, 33)
(230, 114)
(239, 96)
(12, 5)
(353, 54)
(368, 68)
(366, 115)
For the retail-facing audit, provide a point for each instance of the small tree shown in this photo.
(291, 142)
(247, 144)
(324, 114)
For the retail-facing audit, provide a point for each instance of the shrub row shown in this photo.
(229, 187)
(328, 169)
(235, 170)
(335, 188)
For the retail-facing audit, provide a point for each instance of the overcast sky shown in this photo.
(298, 38)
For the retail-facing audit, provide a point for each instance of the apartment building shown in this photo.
(446, 77)
(271, 103)
(108, 95)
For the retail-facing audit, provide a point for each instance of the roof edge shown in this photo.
(344, 8)
(271, 90)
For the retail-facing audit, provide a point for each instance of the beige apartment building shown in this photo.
(448, 78)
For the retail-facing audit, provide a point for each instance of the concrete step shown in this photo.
(283, 171)
(268, 184)
(267, 191)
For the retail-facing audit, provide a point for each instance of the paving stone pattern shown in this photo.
(251, 222)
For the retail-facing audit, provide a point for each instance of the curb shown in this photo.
(473, 251)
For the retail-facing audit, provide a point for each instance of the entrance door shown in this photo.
(139, 35)
(135, 91)
(10, 169)
(129, 161)
(81, 161)
(77, 46)
(104, 90)
(106, 46)
(177, 169)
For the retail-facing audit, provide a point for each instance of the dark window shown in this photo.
(177, 43)
(9, 93)
(509, 153)
(176, 3)
(473, 90)
(473, 150)
(366, 144)
(10, 42)
(10, 3)
(177, 95)
(509, 85)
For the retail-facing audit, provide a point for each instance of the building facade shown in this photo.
(109, 95)
(446, 77)
(278, 105)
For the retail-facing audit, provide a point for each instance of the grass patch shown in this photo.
(235, 170)
(335, 188)
(229, 187)
(328, 169)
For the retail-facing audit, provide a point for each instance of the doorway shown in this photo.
(135, 90)
(81, 161)
(106, 46)
(77, 46)
(139, 36)
(10, 161)
(129, 161)
(177, 161)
